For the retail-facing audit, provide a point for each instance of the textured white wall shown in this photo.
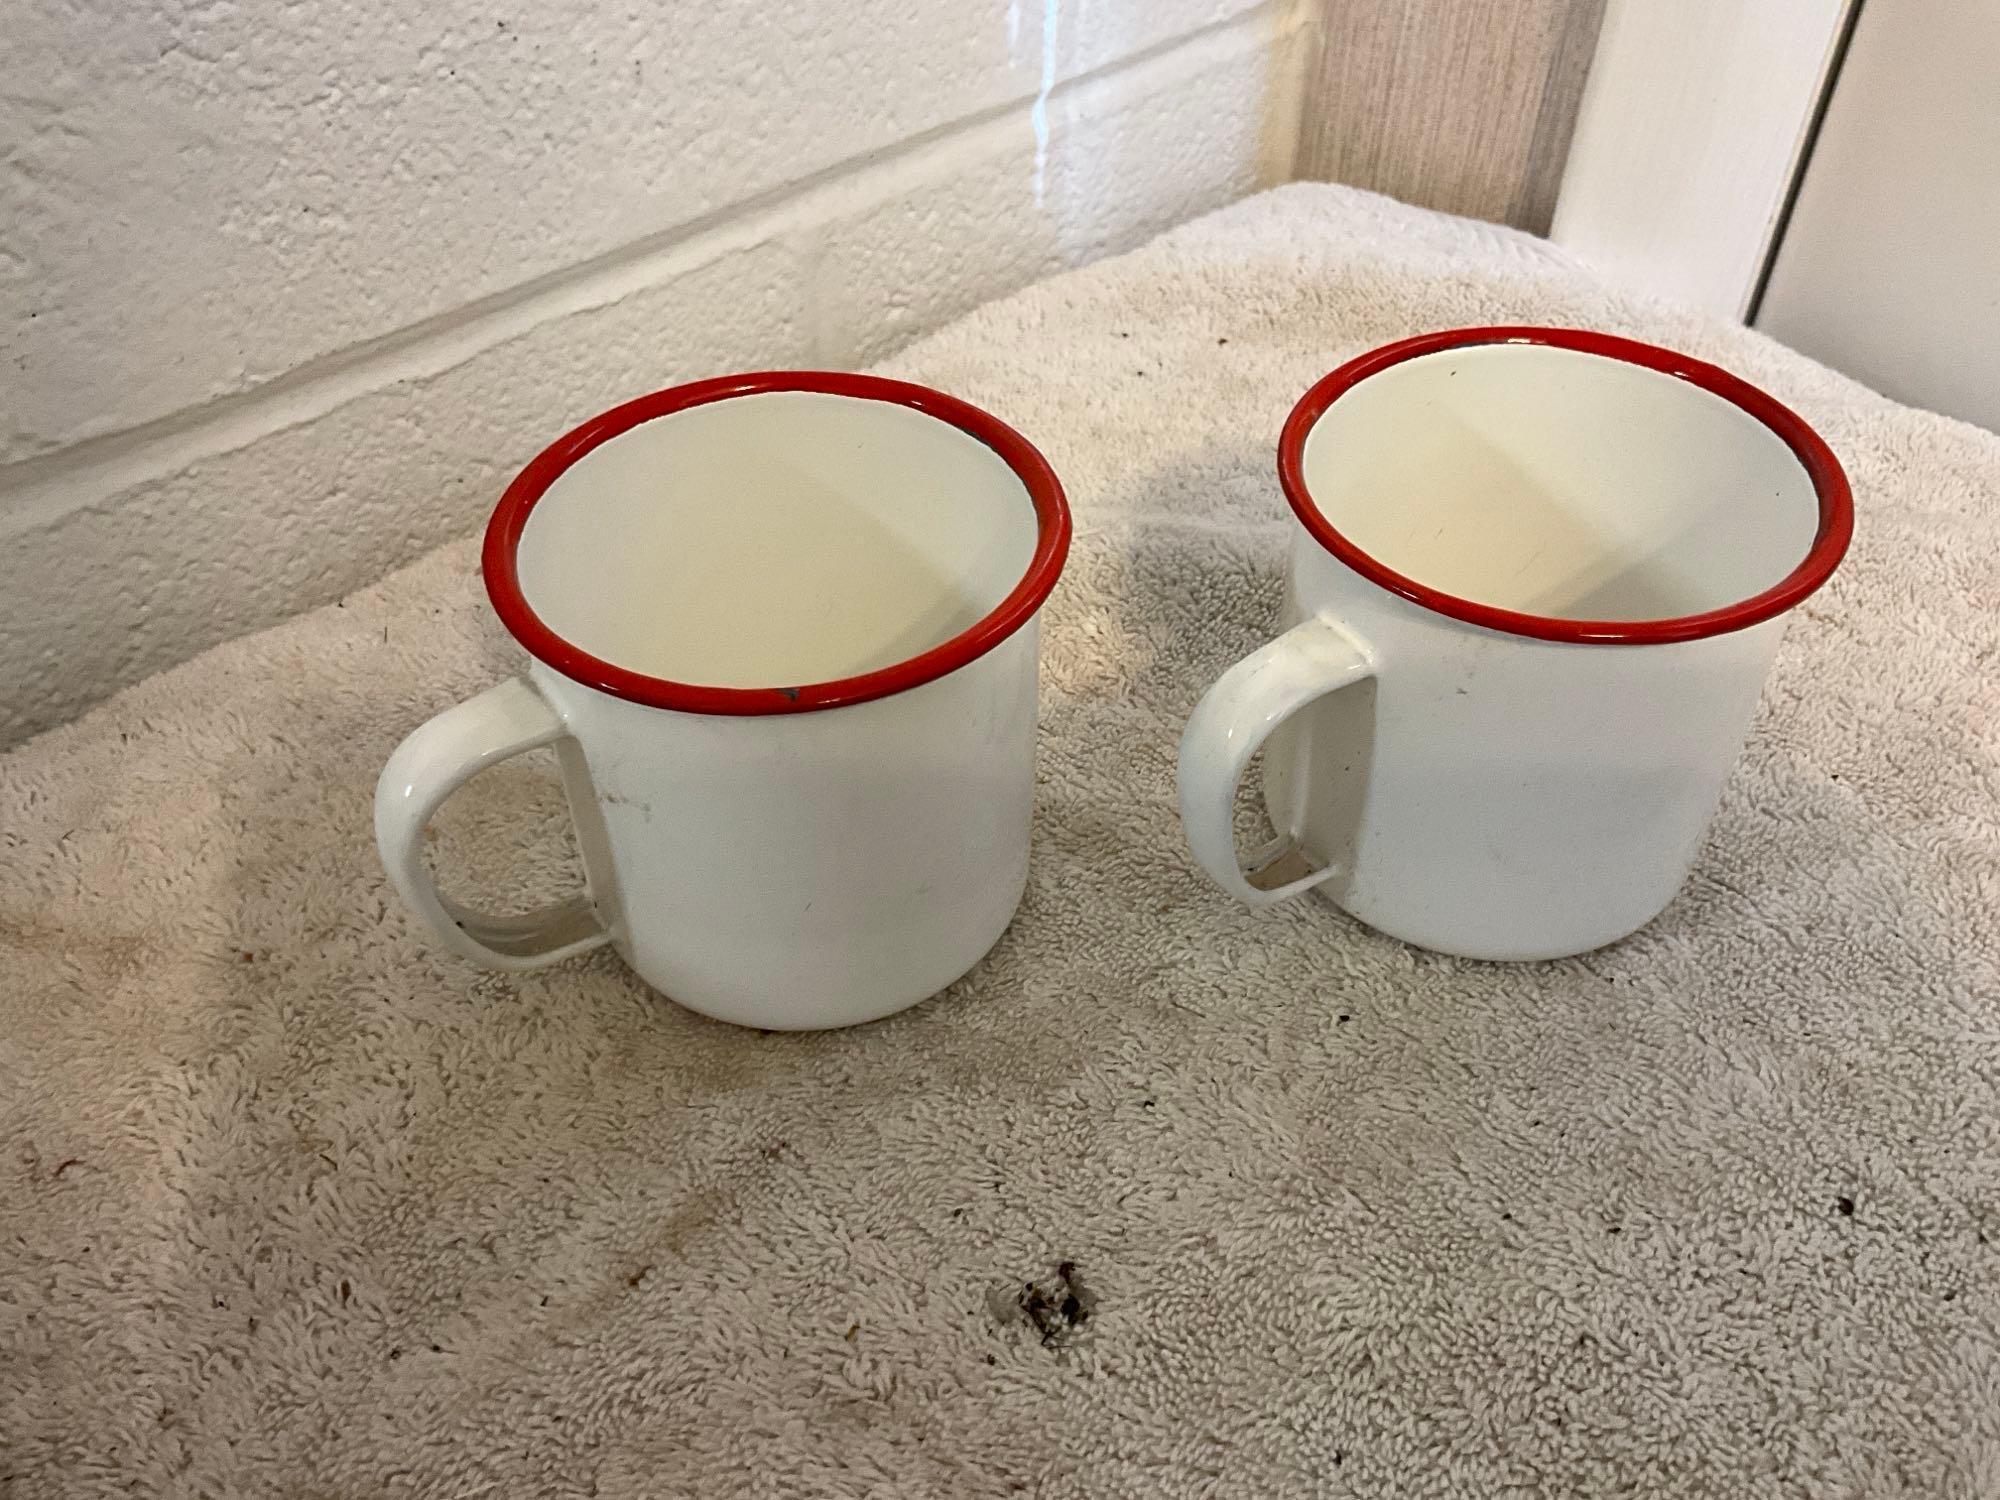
(287, 290)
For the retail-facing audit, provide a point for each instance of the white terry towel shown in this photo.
(293, 1203)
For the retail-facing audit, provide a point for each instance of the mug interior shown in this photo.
(777, 537)
(1560, 484)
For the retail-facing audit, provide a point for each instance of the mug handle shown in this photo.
(435, 761)
(1230, 724)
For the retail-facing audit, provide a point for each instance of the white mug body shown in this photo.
(1537, 581)
(808, 870)
(1499, 797)
(784, 633)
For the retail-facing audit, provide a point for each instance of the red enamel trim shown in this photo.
(1836, 504)
(510, 518)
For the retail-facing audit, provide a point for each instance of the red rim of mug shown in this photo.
(510, 519)
(1836, 504)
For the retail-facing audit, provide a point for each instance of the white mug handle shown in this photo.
(1233, 719)
(437, 759)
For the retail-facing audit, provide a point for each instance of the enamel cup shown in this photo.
(782, 631)
(1537, 581)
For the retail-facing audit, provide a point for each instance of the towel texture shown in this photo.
(293, 1203)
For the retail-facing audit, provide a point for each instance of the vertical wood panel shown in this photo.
(1461, 105)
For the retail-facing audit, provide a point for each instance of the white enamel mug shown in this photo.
(1538, 579)
(783, 638)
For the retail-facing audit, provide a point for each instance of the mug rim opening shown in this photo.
(499, 566)
(1829, 482)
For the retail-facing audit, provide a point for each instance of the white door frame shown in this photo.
(1695, 123)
